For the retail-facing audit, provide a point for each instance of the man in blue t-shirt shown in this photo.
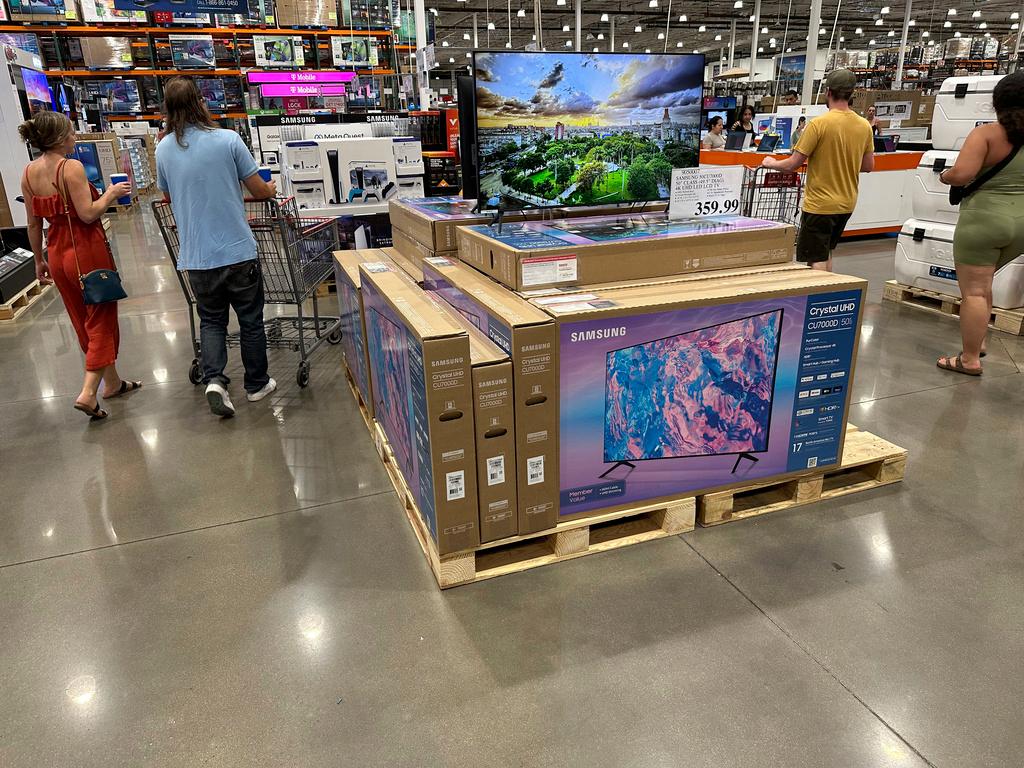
(200, 169)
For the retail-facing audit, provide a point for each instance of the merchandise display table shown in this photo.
(884, 200)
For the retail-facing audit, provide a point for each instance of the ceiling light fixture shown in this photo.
(956, 34)
(451, 60)
(912, 23)
(679, 44)
(926, 33)
(1014, 16)
(702, 28)
(600, 35)
(565, 27)
(604, 17)
(465, 36)
(653, 4)
(885, 10)
(625, 45)
(879, 22)
(1015, 26)
(760, 49)
(568, 43)
(821, 31)
(661, 35)
(508, 44)
(871, 42)
(764, 30)
(859, 31)
(976, 15)
(717, 38)
(947, 25)
(983, 25)
(521, 13)
(638, 28)
(892, 33)
(682, 18)
(595, 50)
(444, 43)
(951, 12)
(490, 26)
(738, 4)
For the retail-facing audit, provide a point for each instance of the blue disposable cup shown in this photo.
(264, 173)
(117, 178)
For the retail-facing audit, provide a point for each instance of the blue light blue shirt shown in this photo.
(202, 180)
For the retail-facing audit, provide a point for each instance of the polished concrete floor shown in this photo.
(176, 590)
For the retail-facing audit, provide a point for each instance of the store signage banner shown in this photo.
(709, 191)
(184, 6)
(300, 89)
(318, 76)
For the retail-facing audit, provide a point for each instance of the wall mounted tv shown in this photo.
(558, 129)
(705, 392)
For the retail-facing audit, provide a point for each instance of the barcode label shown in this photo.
(812, 462)
(496, 470)
(456, 485)
(535, 470)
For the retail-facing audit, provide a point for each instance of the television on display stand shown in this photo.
(571, 129)
(705, 392)
(465, 89)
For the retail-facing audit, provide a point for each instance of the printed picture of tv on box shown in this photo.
(557, 129)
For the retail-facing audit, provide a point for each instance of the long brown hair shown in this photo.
(184, 107)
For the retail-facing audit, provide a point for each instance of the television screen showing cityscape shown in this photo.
(556, 129)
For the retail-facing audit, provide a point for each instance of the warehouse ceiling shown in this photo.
(667, 25)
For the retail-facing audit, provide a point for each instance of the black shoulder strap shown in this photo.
(986, 177)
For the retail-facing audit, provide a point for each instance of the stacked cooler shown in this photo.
(924, 249)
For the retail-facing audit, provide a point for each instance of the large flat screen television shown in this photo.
(705, 392)
(558, 129)
(36, 91)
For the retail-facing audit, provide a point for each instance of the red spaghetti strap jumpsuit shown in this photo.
(95, 324)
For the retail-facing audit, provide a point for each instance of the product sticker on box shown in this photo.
(668, 403)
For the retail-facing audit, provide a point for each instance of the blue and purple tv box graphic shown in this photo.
(682, 401)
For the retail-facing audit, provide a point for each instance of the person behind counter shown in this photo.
(746, 121)
(715, 138)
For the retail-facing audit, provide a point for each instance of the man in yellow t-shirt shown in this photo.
(837, 147)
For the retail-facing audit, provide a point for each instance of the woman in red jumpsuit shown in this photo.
(48, 180)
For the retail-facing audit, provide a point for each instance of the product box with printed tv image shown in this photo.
(353, 324)
(527, 334)
(674, 389)
(536, 254)
(421, 384)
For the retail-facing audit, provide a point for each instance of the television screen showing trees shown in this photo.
(556, 129)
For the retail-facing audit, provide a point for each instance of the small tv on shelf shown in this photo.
(278, 51)
(568, 129)
(116, 96)
(192, 51)
(212, 90)
(705, 392)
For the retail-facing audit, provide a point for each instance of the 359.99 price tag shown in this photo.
(709, 191)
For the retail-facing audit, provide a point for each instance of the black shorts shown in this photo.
(819, 235)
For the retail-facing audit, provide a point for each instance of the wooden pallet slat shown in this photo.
(1006, 320)
(25, 298)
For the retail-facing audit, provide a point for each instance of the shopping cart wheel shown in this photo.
(195, 373)
(302, 375)
(334, 337)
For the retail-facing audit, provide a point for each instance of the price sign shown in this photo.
(709, 191)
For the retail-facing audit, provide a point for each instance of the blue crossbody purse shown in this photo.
(100, 285)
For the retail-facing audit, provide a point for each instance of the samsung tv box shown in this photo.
(674, 389)
(527, 334)
(432, 221)
(929, 197)
(924, 259)
(961, 104)
(353, 326)
(412, 249)
(538, 254)
(422, 389)
(411, 266)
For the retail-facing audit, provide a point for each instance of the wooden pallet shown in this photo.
(326, 288)
(566, 541)
(1007, 320)
(20, 304)
(868, 462)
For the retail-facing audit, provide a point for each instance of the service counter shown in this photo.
(883, 203)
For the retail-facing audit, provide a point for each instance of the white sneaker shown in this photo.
(219, 400)
(254, 397)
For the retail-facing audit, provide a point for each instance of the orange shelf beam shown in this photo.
(128, 29)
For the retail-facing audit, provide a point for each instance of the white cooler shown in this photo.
(961, 104)
(924, 259)
(929, 198)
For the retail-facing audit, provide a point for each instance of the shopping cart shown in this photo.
(296, 256)
(772, 195)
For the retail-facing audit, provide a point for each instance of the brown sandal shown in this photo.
(956, 365)
(95, 413)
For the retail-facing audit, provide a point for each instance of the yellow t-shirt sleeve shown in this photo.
(869, 141)
(808, 141)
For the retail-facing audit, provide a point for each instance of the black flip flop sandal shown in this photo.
(126, 387)
(956, 365)
(94, 413)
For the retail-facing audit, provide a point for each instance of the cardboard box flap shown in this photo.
(513, 309)
(349, 261)
(425, 316)
(703, 291)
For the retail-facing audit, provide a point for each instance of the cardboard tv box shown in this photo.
(421, 377)
(353, 324)
(538, 254)
(494, 427)
(409, 266)
(413, 251)
(673, 389)
(527, 334)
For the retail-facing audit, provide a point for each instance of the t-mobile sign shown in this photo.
(319, 76)
(276, 91)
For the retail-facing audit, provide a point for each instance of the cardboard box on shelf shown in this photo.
(412, 266)
(413, 250)
(532, 255)
(678, 388)
(494, 426)
(527, 334)
(423, 400)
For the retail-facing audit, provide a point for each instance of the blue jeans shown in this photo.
(240, 287)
